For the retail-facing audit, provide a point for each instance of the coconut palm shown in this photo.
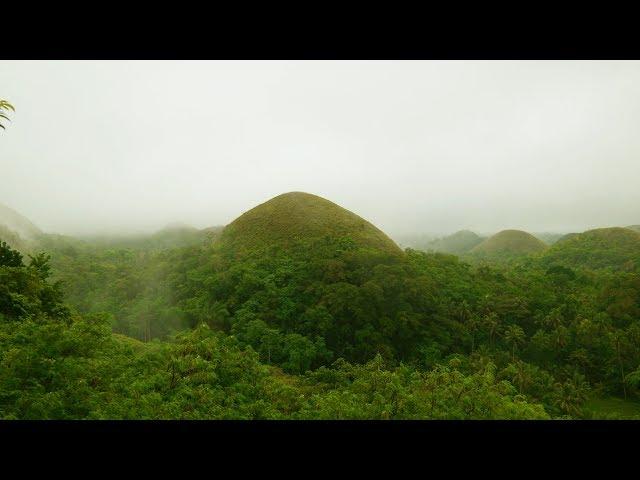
(514, 336)
(491, 325)
(571, 394)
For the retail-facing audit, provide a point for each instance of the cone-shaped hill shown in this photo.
(510, 243)
(295, 218)
(599, 248)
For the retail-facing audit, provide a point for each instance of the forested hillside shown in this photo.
(332, 322)
(614, 248)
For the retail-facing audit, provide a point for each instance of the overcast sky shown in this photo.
(421, 146)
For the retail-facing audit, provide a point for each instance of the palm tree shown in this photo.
(491, 323)
(571, 394)
(617, 340)
(522, 376)
(4, 107)
(580, 357)
(554, 319)
(472, 325)
(514, 336)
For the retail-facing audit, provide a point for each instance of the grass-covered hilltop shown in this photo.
(297, 218)
(300, 309)
(509, 243)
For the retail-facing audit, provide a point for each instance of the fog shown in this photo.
(415, 146)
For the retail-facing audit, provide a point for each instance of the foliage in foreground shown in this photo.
(55, 364)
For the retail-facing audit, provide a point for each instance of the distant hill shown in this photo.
(17, 230)
(15, 222)
(549, 238)
(615, 247)
(177, 235)
(634, 227)
(456, 243)
(172, 236)
(14, 240)
(417, 241)
(295, 217)
(509, 243)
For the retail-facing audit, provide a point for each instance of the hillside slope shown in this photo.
(599, 248)
(298, 217)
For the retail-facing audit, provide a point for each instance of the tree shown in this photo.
(4, 107)
(491, 324)
(514, 336)
(473, 325)
(9, 257)
(633, 380)
(571, 394)
(617, 339)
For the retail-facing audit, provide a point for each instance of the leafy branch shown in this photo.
(4, 108)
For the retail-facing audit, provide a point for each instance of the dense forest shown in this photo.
(300, 309)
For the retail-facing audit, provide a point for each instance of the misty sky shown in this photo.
(420, 146)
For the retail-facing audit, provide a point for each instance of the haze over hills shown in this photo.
(417, 241)
(510, 242)
(310, 306)
(549, 237)
(20, 233)
(172, 236)
(598, 248)
(17, 223)
(456, 243)
(297, 217)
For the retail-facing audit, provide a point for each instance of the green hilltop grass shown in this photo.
(599, 248)
(297, 217)
(509, 243)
